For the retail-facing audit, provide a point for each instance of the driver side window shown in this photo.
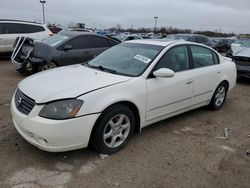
(176, 59)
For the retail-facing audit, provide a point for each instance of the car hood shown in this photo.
(67, 82)
(242, 51)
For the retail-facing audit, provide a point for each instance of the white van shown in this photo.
(11, 29)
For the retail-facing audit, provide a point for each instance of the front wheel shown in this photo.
(47, 66)
(113, 129)
(219, 96)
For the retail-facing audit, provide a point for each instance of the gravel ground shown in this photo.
(184, 151)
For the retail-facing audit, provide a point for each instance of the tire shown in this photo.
(219, 96)
(47, 66)
(113, 129)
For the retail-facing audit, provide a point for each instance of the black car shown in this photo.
(192, 38)
(64, 48)
(222, 44)
(241, 57)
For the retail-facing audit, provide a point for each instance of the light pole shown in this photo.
(156, 17)
(43, 2)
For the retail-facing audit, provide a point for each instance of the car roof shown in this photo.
(164, 43)
(19, 21)
(77, 33)
(187, 34)
(153, 42)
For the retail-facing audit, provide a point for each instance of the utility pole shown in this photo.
(43, 2)
(156, 17)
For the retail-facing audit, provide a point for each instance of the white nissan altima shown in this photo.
(129, 86)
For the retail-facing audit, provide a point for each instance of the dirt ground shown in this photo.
(183, 151)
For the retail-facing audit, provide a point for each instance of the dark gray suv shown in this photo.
(65, 48)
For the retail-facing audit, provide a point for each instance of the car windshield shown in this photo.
(56, 39)
(239, 42)
(246, 44)
(127, 59)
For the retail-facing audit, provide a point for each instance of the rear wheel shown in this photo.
(47, 66)
(113, 129)
(219, 96)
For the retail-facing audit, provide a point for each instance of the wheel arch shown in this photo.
(128, 104)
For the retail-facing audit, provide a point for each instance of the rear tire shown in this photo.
(47, 66)
(113, 129)
(219, 96)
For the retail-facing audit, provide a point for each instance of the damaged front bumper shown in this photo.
(21, 57)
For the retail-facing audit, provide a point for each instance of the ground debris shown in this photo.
(226, 134)
(226, 130)
(103, 156)
(248, 153)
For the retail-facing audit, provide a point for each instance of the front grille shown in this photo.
(244, 61)
(24, 104)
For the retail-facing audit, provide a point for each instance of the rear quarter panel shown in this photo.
(229, 72)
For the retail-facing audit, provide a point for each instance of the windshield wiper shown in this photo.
(102, 68)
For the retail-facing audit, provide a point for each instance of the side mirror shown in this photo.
(67, 47)
(164, 73)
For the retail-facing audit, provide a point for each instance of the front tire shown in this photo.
(219, 96)
(47, 66)
(113, 129)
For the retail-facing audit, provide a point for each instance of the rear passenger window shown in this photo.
(111, 42)
(12, 28)
(176, 59)
(193, 39)
(78, 43)
(32, 28)
(97, 42)
(202, 56)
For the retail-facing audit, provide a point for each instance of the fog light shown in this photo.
(42, 141)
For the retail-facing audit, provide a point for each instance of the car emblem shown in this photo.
(19, 101)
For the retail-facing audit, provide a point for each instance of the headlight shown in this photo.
(63, 109)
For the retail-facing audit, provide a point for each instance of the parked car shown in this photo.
(124, 89)
(125, 37)
(11, 29)
(65, 48)
(193, 38)
(222, 44)
(235, 46)
(242, 59)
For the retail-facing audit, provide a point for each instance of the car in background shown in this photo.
(64, 48)
(222, 44)
(192, 38)
(235, 46)
(11, 29)
(124, 89)
(128, 37)
(241, 58)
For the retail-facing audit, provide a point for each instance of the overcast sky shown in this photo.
(229, 15)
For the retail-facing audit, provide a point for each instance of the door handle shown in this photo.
(190, 82)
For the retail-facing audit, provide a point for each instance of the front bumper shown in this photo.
(53, 135)
(243, 71)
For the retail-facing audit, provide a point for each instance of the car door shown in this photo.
(10, 32)
(97, 45)
(167, 96)
(74, 51)
(206, 73)
(2, 41)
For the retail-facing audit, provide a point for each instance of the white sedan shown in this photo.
(124, 89)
